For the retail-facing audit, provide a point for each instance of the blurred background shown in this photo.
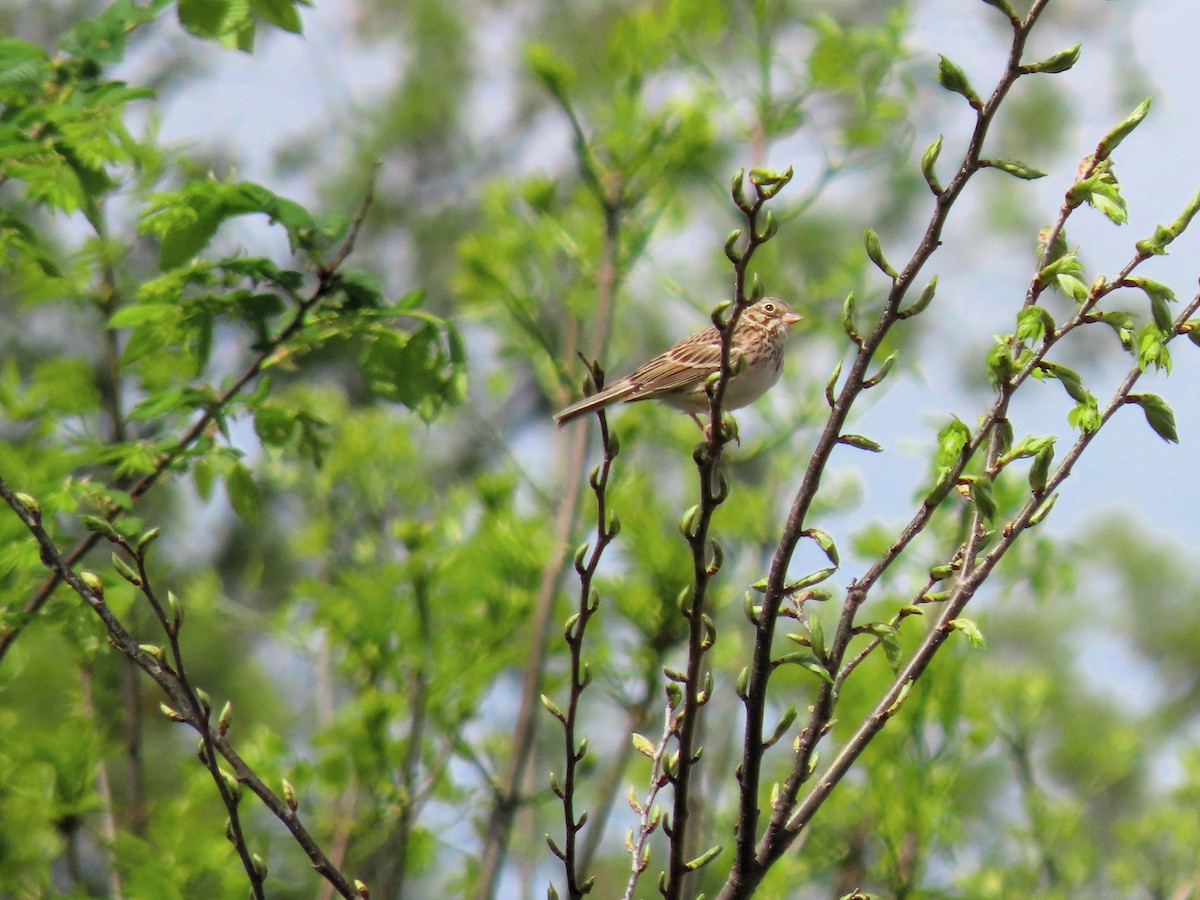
(1061, 760)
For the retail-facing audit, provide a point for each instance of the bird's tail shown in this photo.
(614, 393)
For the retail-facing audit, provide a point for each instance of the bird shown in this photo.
(678, 376)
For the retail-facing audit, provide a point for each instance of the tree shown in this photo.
(334, 536)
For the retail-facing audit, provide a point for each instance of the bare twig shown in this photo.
(648, 814)
(586, 564)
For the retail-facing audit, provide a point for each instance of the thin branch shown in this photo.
(962, 593)
(751, 861)
(609, 784)
(506, 796)
(648, 814)
(706, 553)
(607, 528)
(187, 704)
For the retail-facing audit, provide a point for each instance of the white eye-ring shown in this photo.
(768, 307)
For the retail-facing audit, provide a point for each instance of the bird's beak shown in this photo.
(791, 318)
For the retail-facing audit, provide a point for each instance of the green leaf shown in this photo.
(825, 542)
(186, 220)
(1073, 287)
(416, 370)
(703, 859)
(1152, 349)
(809, 580)
(970, 630)
(143, 314)
(1085, 416)
(889, 639)
(243, 492)
(875, 253)
(952, 440)
(102, 527)
(1004, 7)
(643, 745)
(1027, 447)
(1014, 168)
(860, 442)
(553, 708)
(983, 496)
(1044, 510)
(1069, 379)
(922, 302)
(805, 661)
(1156, 245)
(816, 638)
(928, 160)
(1102, 191)
(213, 19)
(126, 571)
(831, 384)
(21, 63)
(1066, 264)
(1059, 62)
(884, 369)
(1113, 139)
(362, 290)
(1039, 472)
(1121, 322)
(550, 69)
(1003, 432)
(1159, 415)
(848, 322)
(1033, 324)
(274, 425)
(952, 78)
(280, 13)
(1000, 364)
(102, 38)
(1165, 234)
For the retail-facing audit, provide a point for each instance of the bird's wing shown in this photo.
(685, 365)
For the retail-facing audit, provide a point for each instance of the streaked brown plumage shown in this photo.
(678, 376)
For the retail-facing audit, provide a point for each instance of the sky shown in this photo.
(293, 87)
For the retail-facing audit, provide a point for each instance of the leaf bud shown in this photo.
(289, 796)
(737, 189)
(154, 651)
(93, 582)
(731, 250)
(31, 506)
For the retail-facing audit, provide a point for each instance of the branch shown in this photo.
(187, 704)
(706, 552)
(607, 528)
(750, 863)
(1030, 513)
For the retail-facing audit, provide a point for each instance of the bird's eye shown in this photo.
(768, 308)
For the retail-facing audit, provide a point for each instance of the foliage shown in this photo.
(253, 500)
